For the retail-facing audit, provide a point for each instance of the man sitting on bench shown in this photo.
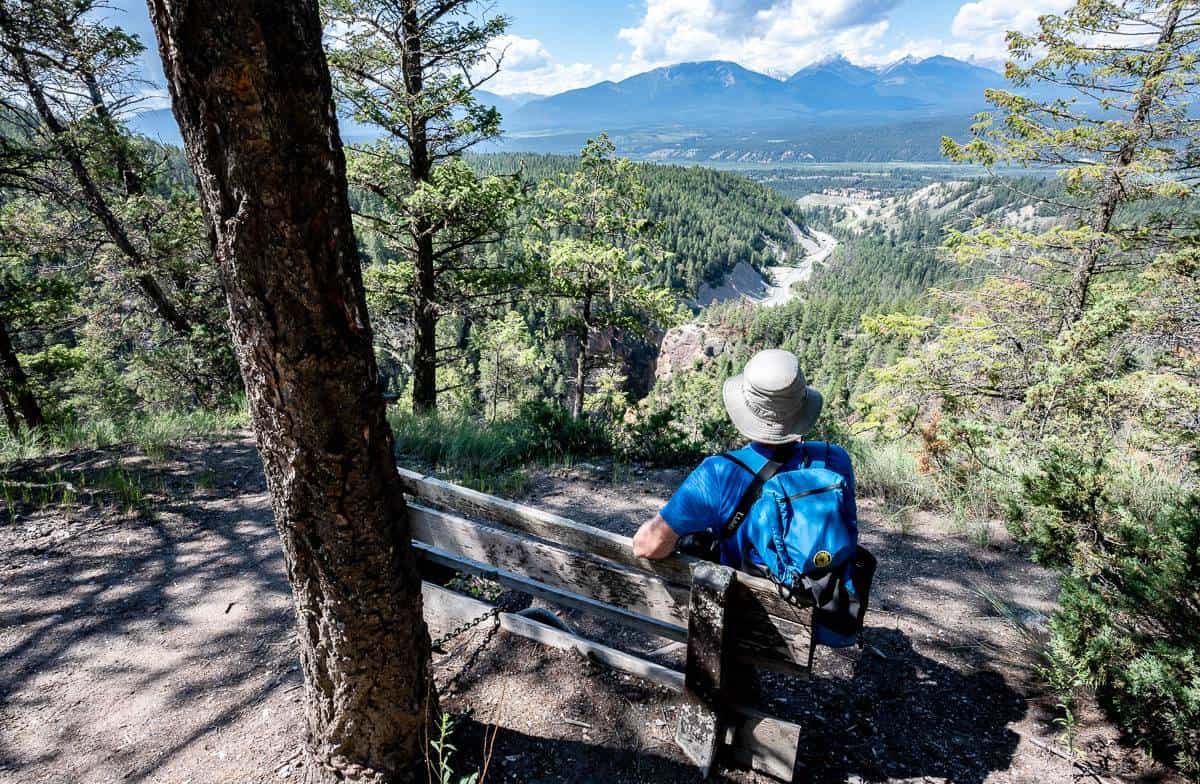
(772, 405)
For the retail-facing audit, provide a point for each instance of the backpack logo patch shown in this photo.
(822, 559)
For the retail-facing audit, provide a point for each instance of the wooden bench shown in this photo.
(732, 623)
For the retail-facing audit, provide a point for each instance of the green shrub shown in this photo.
(678, 423)
(1063, 505)
(1128, 627)
(550, 433)
(656, 439)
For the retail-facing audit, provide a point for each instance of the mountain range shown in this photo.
(719, 110)
(719, 94)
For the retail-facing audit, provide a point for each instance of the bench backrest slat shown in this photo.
(578, 536)
(569, 570)
(569, 559)
(542, 524)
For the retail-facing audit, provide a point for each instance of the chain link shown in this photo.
(494, 613)
(464, 627)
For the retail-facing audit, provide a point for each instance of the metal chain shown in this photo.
(464, 627)
(503, 604)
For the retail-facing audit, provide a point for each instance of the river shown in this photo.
(745, 282)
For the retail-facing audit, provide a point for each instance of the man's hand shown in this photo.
(654, 539)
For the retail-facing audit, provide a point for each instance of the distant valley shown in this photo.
(718, 111)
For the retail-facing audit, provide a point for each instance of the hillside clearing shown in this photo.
(157, 647)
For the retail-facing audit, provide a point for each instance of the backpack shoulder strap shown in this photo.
(817, 453)
(768, 469)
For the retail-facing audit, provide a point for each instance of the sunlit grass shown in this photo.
(492, 456)
(150, 433)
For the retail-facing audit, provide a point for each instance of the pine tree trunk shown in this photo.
(1114, 189)
(581, 360)
(425, 312)
(10, 415)
(425, 320)
(31, 412)
(252, 93)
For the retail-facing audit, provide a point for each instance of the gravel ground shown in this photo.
(145, 636)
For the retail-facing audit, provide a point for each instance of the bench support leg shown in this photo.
(699, 729)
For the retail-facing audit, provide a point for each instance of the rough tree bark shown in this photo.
(18, 382)
(252, 94)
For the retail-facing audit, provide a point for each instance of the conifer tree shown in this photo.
(66, 78)
(595, 252)
(1042, 349)
(253, 96)
(410, 68)
(1076, 347)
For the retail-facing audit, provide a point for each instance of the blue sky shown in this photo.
(555, 46)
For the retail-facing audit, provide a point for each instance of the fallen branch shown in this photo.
(1089, 770)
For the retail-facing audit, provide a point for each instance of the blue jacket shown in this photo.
(710, 494)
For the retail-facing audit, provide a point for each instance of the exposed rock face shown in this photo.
(688, 344)
(743, 281)
(633, 354)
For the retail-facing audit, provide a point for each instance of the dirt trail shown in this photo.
(158, 647)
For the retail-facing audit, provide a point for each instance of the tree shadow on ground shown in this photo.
(904, 715)
(532, 759)
(159, 611)
(899, 715)
(932, 696)
(204, 591)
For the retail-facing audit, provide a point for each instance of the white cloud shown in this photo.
(776, 36)
(772, 36)
(976, 34)
(989, 17)
(522, 54)
(528, 67)
(150, 98)
(979, 26)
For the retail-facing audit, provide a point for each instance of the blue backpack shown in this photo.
(796, 524)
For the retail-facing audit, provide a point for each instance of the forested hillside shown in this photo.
(707, 220)
(845, 138)
(1007, 345)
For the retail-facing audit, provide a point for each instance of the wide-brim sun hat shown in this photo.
(770, 401)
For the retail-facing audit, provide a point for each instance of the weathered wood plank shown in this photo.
(767, 640)
(578, 536)
(698, 729)
(610, 657)
(445, 608)
(596, 585)
(764, 743)
(559, 567)
(542, 524)
(755, 740)
(427, 554)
